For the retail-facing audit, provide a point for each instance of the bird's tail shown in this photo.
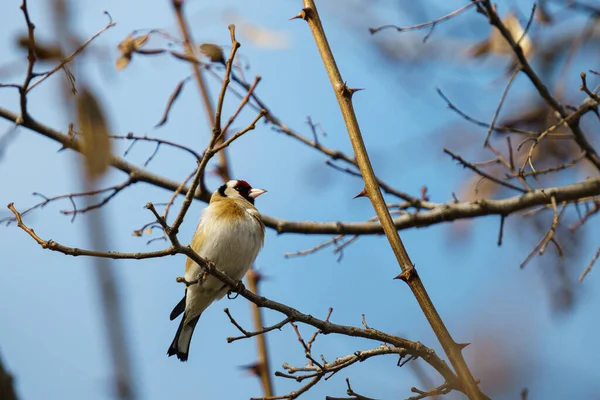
(181, 344)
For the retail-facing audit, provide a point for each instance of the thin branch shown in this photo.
(540, 248)
(426, 24)
(485, 175)
(590, 265)
(71, 56)
(499, 106)
(443, 389)
(247, 334)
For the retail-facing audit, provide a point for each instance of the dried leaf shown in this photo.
(140, 41)
(497, 44)
(123, 61)
(94, 131)
(213, 52)
(131, 43)
(128, 46)
(172, 99)
(43, 51)
(259, 36)
(150, 51)
(184, 57)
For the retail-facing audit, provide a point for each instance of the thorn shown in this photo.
(407, 275)
(301, 15)
(462, 345)
(252, 369)
(363, 193)
(256, 275)
(354, 90)
(424, 195)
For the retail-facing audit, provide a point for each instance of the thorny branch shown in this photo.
(372, 189)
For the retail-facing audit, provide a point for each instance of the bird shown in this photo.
(230, 234)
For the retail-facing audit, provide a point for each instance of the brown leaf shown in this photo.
(497, 44)
(123, 61)
(94, 131)
(184, 57)
(132, 43)
(43, 51)
(127, 47)
(172, 99)
(213, 52)
(150, 51)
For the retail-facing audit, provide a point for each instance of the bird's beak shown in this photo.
(254, 193)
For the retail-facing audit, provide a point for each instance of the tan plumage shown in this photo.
(230, 234)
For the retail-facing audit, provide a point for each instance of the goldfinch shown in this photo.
(230, 234)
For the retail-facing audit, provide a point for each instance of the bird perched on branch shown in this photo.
(230, 234)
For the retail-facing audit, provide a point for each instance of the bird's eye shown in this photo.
(242, 189)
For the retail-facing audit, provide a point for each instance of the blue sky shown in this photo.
(51, 337)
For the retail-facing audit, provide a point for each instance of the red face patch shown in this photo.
(244, 184)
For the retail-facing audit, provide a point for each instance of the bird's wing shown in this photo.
(178, 309)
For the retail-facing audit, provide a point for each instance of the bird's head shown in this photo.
(239, 189)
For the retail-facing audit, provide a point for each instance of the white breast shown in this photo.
(231, 244)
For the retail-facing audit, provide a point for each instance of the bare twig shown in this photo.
(71, 56)
(485, 175)
(426, 24)
(590, 265)
(444, 388)
(247, 334)
(499, 106)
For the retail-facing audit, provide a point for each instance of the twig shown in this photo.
(444, 388)
(115, 189)
(548, 237)
(485, 175)
(426, 24)
(499, 106)
(242, 104)
(171, 101)
(247, 334)
(71, 56)
(590, 265)
(414, 201)
(240, 133)
(501, 231)
(31, 59)
(589, 213)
